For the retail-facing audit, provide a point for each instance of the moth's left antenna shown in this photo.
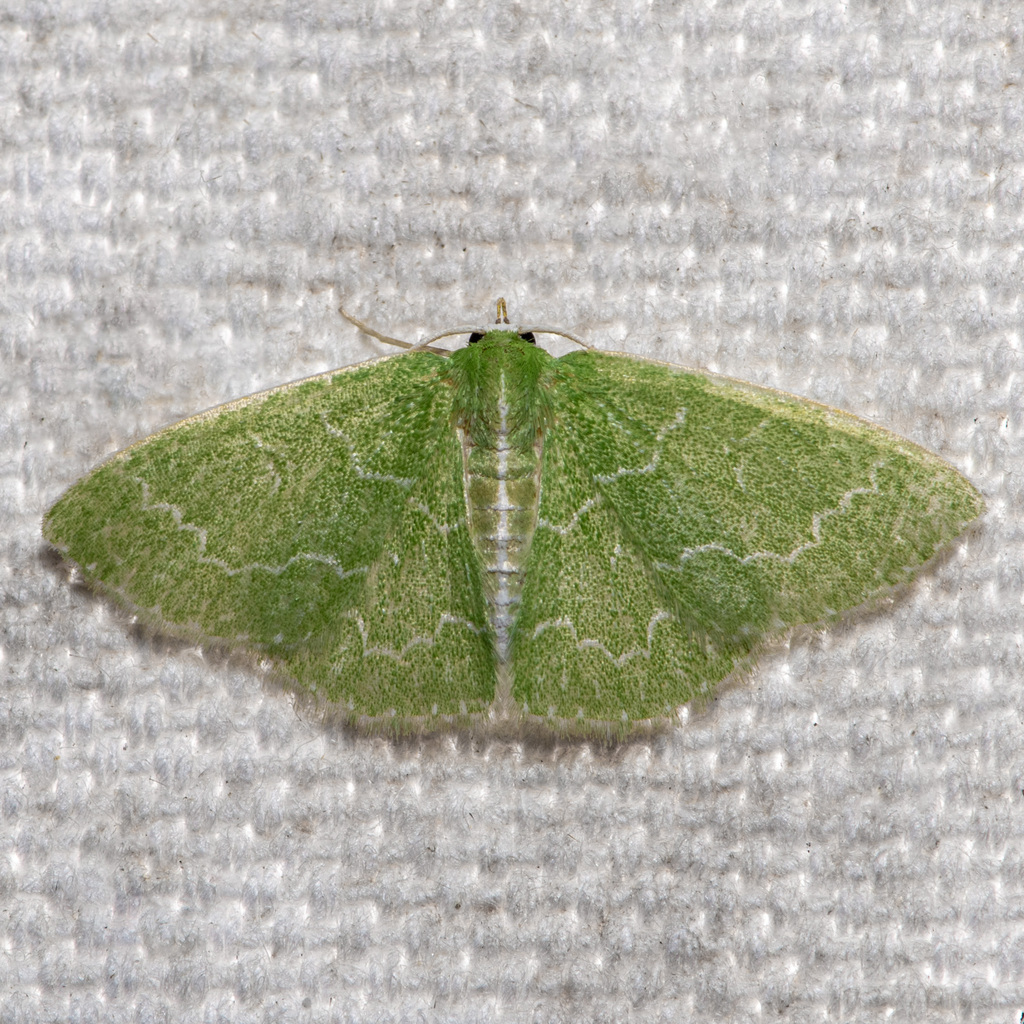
(372, 333)
(423, 346)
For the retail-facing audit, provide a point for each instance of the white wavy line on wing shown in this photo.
(738, 472)
(816, 521)
(416, 641)
(680, 419)
(566, 623)
(442, 528)
(225, 567)
(400, 481)
(573, 521)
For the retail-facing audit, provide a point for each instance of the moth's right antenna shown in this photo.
(561, 334)
(503, 319)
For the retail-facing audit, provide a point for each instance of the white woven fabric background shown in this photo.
(823, 198)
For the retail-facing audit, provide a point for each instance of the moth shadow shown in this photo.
(531, 740)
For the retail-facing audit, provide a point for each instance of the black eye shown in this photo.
(474, 338)
(528, 337)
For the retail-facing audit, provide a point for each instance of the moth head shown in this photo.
(501, 319)
(527, 336)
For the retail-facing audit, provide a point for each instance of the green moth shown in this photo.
(590, 541)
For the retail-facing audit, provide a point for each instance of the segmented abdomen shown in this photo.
(502, 496)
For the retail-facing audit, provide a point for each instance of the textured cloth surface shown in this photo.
(824, 199)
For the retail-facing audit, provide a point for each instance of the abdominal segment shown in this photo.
(502, 486)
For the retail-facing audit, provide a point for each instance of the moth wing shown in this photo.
(321, 523)
(684, 518)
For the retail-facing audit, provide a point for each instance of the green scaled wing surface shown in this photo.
(683, 518)
(322, 524)
(591, 541)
